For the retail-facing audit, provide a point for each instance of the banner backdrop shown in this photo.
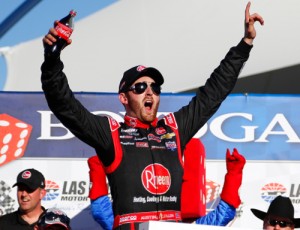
(264, 128)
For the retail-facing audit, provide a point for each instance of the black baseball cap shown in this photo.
(135, 73)
(32, 178)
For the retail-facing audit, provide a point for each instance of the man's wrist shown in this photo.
(249, 41)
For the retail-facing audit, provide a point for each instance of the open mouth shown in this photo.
(148, 104)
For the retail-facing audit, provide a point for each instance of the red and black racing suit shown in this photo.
(143, 162)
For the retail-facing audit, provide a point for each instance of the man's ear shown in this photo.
(42, 193)
(123, 98)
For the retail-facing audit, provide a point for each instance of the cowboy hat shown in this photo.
(279, 207)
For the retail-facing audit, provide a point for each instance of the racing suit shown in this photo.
(143, 162)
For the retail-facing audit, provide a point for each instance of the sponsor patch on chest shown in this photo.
(156, 179)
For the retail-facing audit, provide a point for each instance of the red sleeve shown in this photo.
(193, 191)
(98, 185)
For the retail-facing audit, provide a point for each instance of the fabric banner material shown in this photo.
(261, 127)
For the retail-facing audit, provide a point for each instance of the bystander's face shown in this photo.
(29, 200)
(278, 223)
(143, 106)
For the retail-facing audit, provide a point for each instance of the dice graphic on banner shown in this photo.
(14, 136)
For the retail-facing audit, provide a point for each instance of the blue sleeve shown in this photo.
(221, 216)
(102, 212)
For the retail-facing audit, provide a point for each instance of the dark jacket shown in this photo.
(14, 221)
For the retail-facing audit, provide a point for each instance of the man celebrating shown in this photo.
(142, 157)
(31, 190)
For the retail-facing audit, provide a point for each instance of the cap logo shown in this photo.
(140, 68)
(26, 175)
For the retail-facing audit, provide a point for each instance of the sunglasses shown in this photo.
(141, 87)
(281, 223)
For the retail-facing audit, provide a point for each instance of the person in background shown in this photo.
(143, 152)
(30, 192)
(280, 215)
(53, 219)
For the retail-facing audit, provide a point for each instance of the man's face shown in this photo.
(271, 223)
(29, 199)
(143, 106)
